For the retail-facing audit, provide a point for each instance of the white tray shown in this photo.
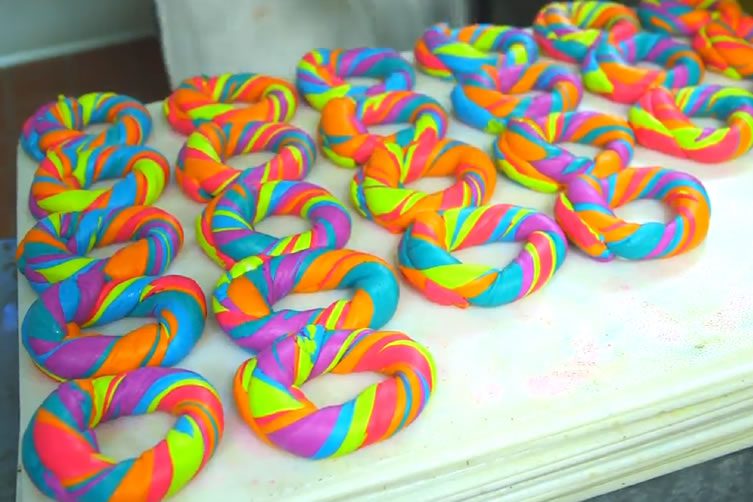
(611, 374)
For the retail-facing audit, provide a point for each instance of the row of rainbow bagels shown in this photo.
(106, 377)
(81, 160)
(471, 215)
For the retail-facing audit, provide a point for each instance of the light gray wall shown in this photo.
(35, 29)
(270, 36)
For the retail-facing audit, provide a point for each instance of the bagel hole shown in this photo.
(119, 327)
(237, 104)
(708, 122)
(363, 81)
(247, 160)
(329, 389)
(127, 437)
(282, 225)
(386, 129)
(96, 128)
(104, 184)
(432, 184)
(102, 252)
(644, 211)
(650, 65)
(531, 93)
(587, 151)
(308, 301)
(494, 254)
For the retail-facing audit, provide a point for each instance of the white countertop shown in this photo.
(611, 374)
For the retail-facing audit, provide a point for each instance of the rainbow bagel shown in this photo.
(379, 190)
(244, 297)
(426, 263)
(268, 395)
(321, 74)
(51, 330)
(528, 153)
(202, 170)
(63, 122)
(63, 181)
(202, 99)
(567, 30)
(490, 97)
(444, 52)
(609, 69)
(225, 230)
(343, 128)
(661, 121)
(60, 452)
(678, 17)
(725, 43)
(585, 211)
(55, 248)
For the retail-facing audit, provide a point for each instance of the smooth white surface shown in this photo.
(37, 29)
(611, 374)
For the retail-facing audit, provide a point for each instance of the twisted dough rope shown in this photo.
(585, 211)
(487, 99)
(678, 17)
(56, 247)
(726, 42)
(662, 121)
(63, 181)
(202, 171)
(379, 190)
(51, 330)
(426, 263)
(344, 136)
(444, 52)
(268, 395)
(567, 30)
(202, 99)
(244, 297)
(63, 122)
(321, 74)
(225, 230)
(60, 452)
(610, 69)
(528, 153)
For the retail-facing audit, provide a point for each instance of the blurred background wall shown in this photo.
(38, 29)
(270, 37)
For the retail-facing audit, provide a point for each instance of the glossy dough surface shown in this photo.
(244, 298)
(322, 73)
(585, 211)
(202, 99)
(268, 395)
(59, 448)
(56, 248)
(379, 190)
(52, 330)
(63, 122)
(663, 121)
(202, 170)
(426, 262)
(528, 151)
(65, 179)
(225, 229)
